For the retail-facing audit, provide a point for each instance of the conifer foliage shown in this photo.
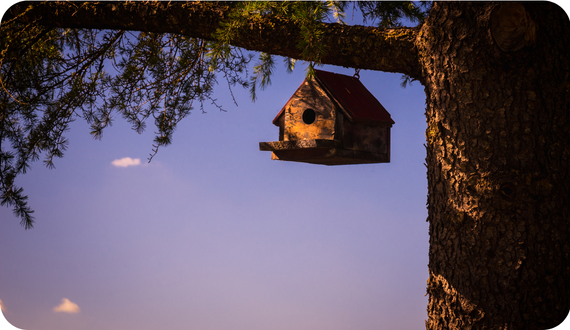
(51, 76)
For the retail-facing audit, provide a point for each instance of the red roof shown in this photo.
(352, 96)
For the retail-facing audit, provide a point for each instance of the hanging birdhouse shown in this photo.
(332, 119)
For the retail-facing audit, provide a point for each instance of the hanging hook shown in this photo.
(357, 74)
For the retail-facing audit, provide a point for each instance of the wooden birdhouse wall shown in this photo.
(300, 124)
(366, 137)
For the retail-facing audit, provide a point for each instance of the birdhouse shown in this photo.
(332, 119)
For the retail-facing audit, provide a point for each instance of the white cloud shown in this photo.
(66, 306)
(127, 161)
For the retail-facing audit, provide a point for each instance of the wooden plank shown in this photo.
(330, 156)
(298, 144)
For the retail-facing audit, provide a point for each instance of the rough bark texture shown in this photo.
(362, 47)
(498, 165)
(497, 81)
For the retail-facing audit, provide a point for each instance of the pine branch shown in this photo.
(369, 48)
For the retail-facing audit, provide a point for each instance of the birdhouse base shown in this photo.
(323, 152)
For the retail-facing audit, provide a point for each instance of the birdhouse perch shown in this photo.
(332, 119)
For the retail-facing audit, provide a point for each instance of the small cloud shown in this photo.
(127, 161)
(66, 306)
(2, 308)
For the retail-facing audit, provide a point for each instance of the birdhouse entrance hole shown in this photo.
(309, 116)
(352, 126)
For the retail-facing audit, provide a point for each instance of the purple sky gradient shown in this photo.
(213, 234)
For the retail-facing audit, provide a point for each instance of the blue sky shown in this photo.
(214, 235)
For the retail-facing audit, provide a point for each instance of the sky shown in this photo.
(214, 235)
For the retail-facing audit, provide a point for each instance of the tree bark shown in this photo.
(391, 50)
(497, 80)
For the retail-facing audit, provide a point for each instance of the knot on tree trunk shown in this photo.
(512, 27)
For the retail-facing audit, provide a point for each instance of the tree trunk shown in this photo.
(498, 93)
